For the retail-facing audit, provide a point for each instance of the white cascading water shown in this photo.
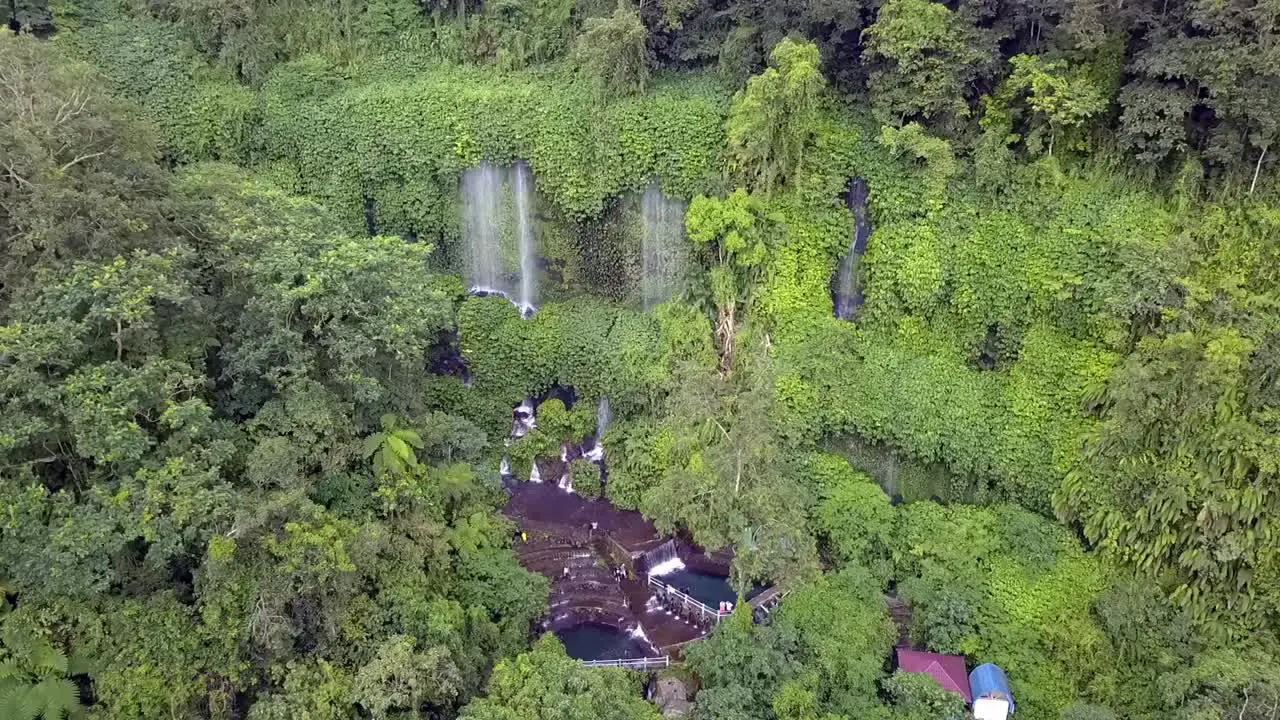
(846, 292)
(486, 212)
(522, 188)
(481, 189)
(663, 247)
(664, 559)
(604, 415)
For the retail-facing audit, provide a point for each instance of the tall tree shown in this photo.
(614, 51)
(546, 684)
(772, 120)
(77, 173)
(928, 57)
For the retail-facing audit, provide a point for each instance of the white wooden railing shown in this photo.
(631, 664)
(685, 600)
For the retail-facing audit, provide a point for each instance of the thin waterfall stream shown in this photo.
(846, 287)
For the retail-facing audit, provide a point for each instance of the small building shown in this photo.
(992, 699)
(948, 670)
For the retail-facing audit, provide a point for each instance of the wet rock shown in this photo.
(672, 697)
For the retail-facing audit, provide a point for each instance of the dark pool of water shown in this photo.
(708, 589)
(601, 642)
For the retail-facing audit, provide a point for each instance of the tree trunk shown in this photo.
(724, 333)
(1257, 168)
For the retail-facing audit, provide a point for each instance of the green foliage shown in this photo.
(741, 667)
(33, 677)
(571, 426)
(200, 114)
(612, 50)
(196, 369)
(771, 120)
(853, 515)
(730, 234)
(726, 480)
(180, 456)
(1062, 96)
(392, 448)
(584, 476)
(546, 684)
(935, 153)
(1187, 416)
(1012, 588)
(918, 696)
(401, 142)
(844, 636)
(928, 56)
(58, 130)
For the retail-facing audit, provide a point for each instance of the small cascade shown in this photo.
(495, 228)
(524, 420)
(604, 415)
(638, 633)
(663, 559)
(663, 247)
(846, 287)
(535, 475)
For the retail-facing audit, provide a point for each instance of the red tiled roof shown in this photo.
(948, 670)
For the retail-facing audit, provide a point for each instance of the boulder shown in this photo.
(671, 697)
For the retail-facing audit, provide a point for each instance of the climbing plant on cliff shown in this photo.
(1177, 479)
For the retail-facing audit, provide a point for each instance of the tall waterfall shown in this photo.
(846, 290)
(497, 224)
(481, 189)
(522, 187)
(662, 246)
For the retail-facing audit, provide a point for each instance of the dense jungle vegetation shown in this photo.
(231, 486)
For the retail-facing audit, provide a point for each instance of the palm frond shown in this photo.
(372, 443)
(17, 702)
(411, 437)
(55, 698)
(400, 448)
(51, 660)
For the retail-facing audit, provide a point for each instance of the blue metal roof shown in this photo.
(990, 681)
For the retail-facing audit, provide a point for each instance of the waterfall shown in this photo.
(486, 213)
(604, 415)
(846, 291)
(664, 559)
(523, 420)
(662, 246)
(522, 187)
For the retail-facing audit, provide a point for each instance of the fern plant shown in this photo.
(33, 679)
(392, 449)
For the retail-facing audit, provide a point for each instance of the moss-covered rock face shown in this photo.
(403, 142)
